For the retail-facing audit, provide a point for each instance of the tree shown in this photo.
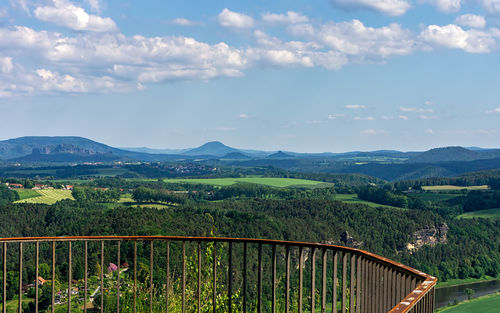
(469, 292)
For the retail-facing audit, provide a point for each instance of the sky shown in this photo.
(295, 75)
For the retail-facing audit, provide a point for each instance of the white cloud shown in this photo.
(354, 106)
(289, 18)
(66, 14)
(403, 117)
(453, 36)
(372, 132)
(364, 118)
(387, 118)
(389, 7)
(428, 102)
(243, 116)
(447, 6)
(471, 20)
(355, 39)
(335, 116)
(415, 110)
(6, 65)
(110, 61)
(494, 111)
(492, 6)
(237, 20)
(183, 22)
(429, 131)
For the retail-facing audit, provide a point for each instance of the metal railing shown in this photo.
(205, 274)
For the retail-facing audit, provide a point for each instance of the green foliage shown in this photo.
(143, 194)
(7, 195)
(85, 194)
(379, 195)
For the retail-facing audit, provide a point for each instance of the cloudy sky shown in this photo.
(323, 75)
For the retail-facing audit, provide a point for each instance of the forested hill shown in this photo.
(380, 230)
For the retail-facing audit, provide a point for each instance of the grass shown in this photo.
(12, 305)
(451, 187)
(488, 213)
(48, 196)
(458, 282)
(485, 304)
(353, 198)
(268, 181)
(27, 194)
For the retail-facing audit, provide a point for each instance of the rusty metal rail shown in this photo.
(225, 274)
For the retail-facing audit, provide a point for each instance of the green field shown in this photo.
(489, 213)
(48, 196)
(353, 198)
(27, 194)
(486, 304)
(451, 187)
(268, 181)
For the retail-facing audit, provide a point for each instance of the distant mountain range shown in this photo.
(386, 164)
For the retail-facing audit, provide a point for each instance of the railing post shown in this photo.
(69, 277)
(37, 252)
(20, 306)
(313, 279)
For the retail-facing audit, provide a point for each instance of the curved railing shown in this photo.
(207, 274)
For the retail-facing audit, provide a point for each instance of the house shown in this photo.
(16, 186)
(41, 281)
(68, 187)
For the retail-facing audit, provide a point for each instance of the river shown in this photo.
(446, 295)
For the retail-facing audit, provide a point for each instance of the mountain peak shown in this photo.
(214, 148)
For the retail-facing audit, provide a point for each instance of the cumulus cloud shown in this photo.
(453, 36)
(492, 6)
(403, 117)
(388, 7)
(447, 6)
(183, 22)
(243, 116)
(429, 131)
(354, 106)
(361, 43)
(494, 111)
(66, 14)
(236, 20)
(289, 18)
(471, 20)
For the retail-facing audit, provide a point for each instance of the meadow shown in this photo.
(46, 196)
(268, 181)
(353, 198)
(488, 213)
(486, 304)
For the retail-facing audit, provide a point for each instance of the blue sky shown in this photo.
(309, 76)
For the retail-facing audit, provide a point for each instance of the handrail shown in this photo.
(408, 304)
